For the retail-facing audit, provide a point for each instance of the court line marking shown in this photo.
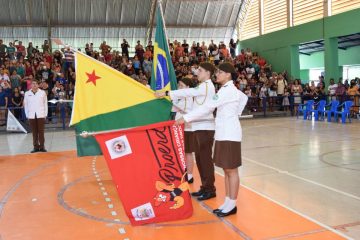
(301, 178)
(293, 210)
(61, 201)
(30, 174)
(322, 159)
(108, 201)
(346, 225)
(297, 234)
(226, 222)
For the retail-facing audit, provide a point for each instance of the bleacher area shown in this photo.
(270, 93)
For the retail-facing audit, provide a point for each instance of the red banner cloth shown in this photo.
(147, 165)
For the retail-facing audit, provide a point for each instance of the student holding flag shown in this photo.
(230, 103)
(181, 107)
(203, 128)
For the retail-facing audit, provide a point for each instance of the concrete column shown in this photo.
(294, 62)
(331, 60)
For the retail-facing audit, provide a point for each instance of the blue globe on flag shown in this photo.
(162, 73)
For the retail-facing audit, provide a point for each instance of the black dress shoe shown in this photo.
(191, 180)
(198, 193)
(34, 150)
(222, 214)
(217, 210)
(206, 196)
(42, 150)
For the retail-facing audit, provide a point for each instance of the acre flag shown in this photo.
(147, 165)
(163, 77)
(106, 99)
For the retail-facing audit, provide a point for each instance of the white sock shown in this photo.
(229, 206)
(190, 176)
(227, 199)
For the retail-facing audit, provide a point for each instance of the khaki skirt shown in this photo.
(189, 142)
(227, 154)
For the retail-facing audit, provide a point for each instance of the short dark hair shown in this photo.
(208, 67)
(187, 81)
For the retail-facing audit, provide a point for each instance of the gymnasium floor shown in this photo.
(300, 180)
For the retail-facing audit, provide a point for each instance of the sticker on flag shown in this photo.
(150, 178)
(143, 212)
(118, 147)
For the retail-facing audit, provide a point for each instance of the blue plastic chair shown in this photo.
(345, 113)
(333, 108)
(305, 109)
(320, 107)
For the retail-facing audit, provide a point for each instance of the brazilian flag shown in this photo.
(163, 76)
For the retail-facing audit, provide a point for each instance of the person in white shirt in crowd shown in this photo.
(203, 128)
(216, 55)
(281, 84)
(250, 71)
(332, 89)
(3, 78)
(36, 110)
(229, 102)
(181, 107)
(263, 91)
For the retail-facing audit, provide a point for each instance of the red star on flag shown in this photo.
(92, 77)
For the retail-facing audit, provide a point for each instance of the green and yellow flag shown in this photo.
(163, 77)
(106, 99)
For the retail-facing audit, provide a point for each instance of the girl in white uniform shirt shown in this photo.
(230, 103)
(182, 106)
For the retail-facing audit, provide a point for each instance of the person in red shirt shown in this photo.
(224, 53)
(48, 57)
(261, 61)
(179, 51)
(105, 49)
(241, 56)
(148, 53)
(108, 57)
(21, 51)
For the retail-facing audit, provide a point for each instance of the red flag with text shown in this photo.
(147, 165)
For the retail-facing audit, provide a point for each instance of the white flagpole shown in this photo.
(86, 134)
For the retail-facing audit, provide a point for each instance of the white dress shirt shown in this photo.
(230, 102)
(202, 95)
(35, 104)
(181, 107)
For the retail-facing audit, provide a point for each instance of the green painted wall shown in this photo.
(350, 56)
(276, 47)
(304, 75)
(279, 58)
(315, 60)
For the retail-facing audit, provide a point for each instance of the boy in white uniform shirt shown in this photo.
(203, 128)
(229, 102)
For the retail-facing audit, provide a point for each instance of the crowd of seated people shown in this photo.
(54, 70)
